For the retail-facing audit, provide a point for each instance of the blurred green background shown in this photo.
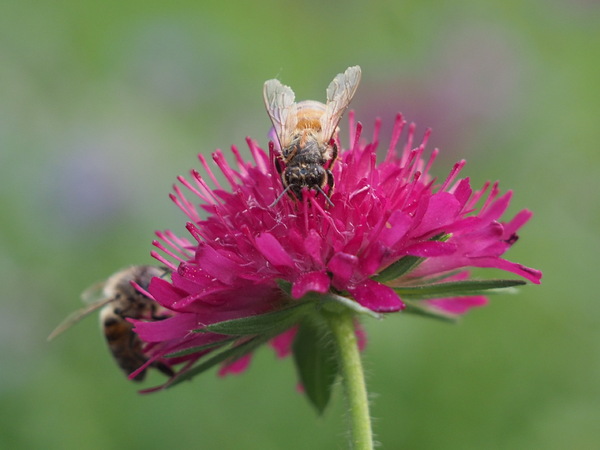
(103, 104)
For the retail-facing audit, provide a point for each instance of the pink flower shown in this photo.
(394, 239)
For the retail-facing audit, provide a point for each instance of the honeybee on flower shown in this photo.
(306, 132)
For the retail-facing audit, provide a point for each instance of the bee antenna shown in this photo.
(325, 195)
(280, 196)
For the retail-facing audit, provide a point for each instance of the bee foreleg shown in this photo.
(330, 181)
(278, 165)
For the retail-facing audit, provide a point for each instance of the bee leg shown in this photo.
(330, 182)
(164, 368)
(156, 316)
(334, 153)
(278, 165)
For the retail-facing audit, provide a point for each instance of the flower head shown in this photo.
(392, 238)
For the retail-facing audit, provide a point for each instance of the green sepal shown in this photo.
(231, 354)
(340, 304)
(405, 264)
(315, 358)
(457, 289)
(201, 348)
(285, 286)
(420, 310)
(399, 268)
(261, 327)
(280, 319)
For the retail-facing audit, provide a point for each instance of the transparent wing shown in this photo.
(279, 101)
(76, 316)
(95, 293)
(339, 94)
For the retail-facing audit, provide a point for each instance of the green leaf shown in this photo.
(262, 323)
(314, 354)
(412, 308)
(457, 289)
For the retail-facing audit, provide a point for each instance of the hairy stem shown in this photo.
(342, 327)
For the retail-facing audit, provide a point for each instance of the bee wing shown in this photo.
(76, 316)
(94, 293)
(279, 101)
(339, 94)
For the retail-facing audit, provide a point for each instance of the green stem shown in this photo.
(342, 327)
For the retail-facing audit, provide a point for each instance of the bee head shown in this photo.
(312, 176)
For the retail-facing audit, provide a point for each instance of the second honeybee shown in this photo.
(119, 300)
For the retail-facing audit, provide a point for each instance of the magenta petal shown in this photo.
(463, 192)
(193, 274)
(532, 275)
(165, 293)
(517, 222)
(431, 248)
(376, 296)
(432, 266)
(283, 343)
(312, 281)
(342, 266)
(237, 366)
(162, 330)
(216, 264)
(496, 209)
(273, 251)
(192, 279)
(313, 245)
(396, 228)
(442, 210)
(372, 258)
